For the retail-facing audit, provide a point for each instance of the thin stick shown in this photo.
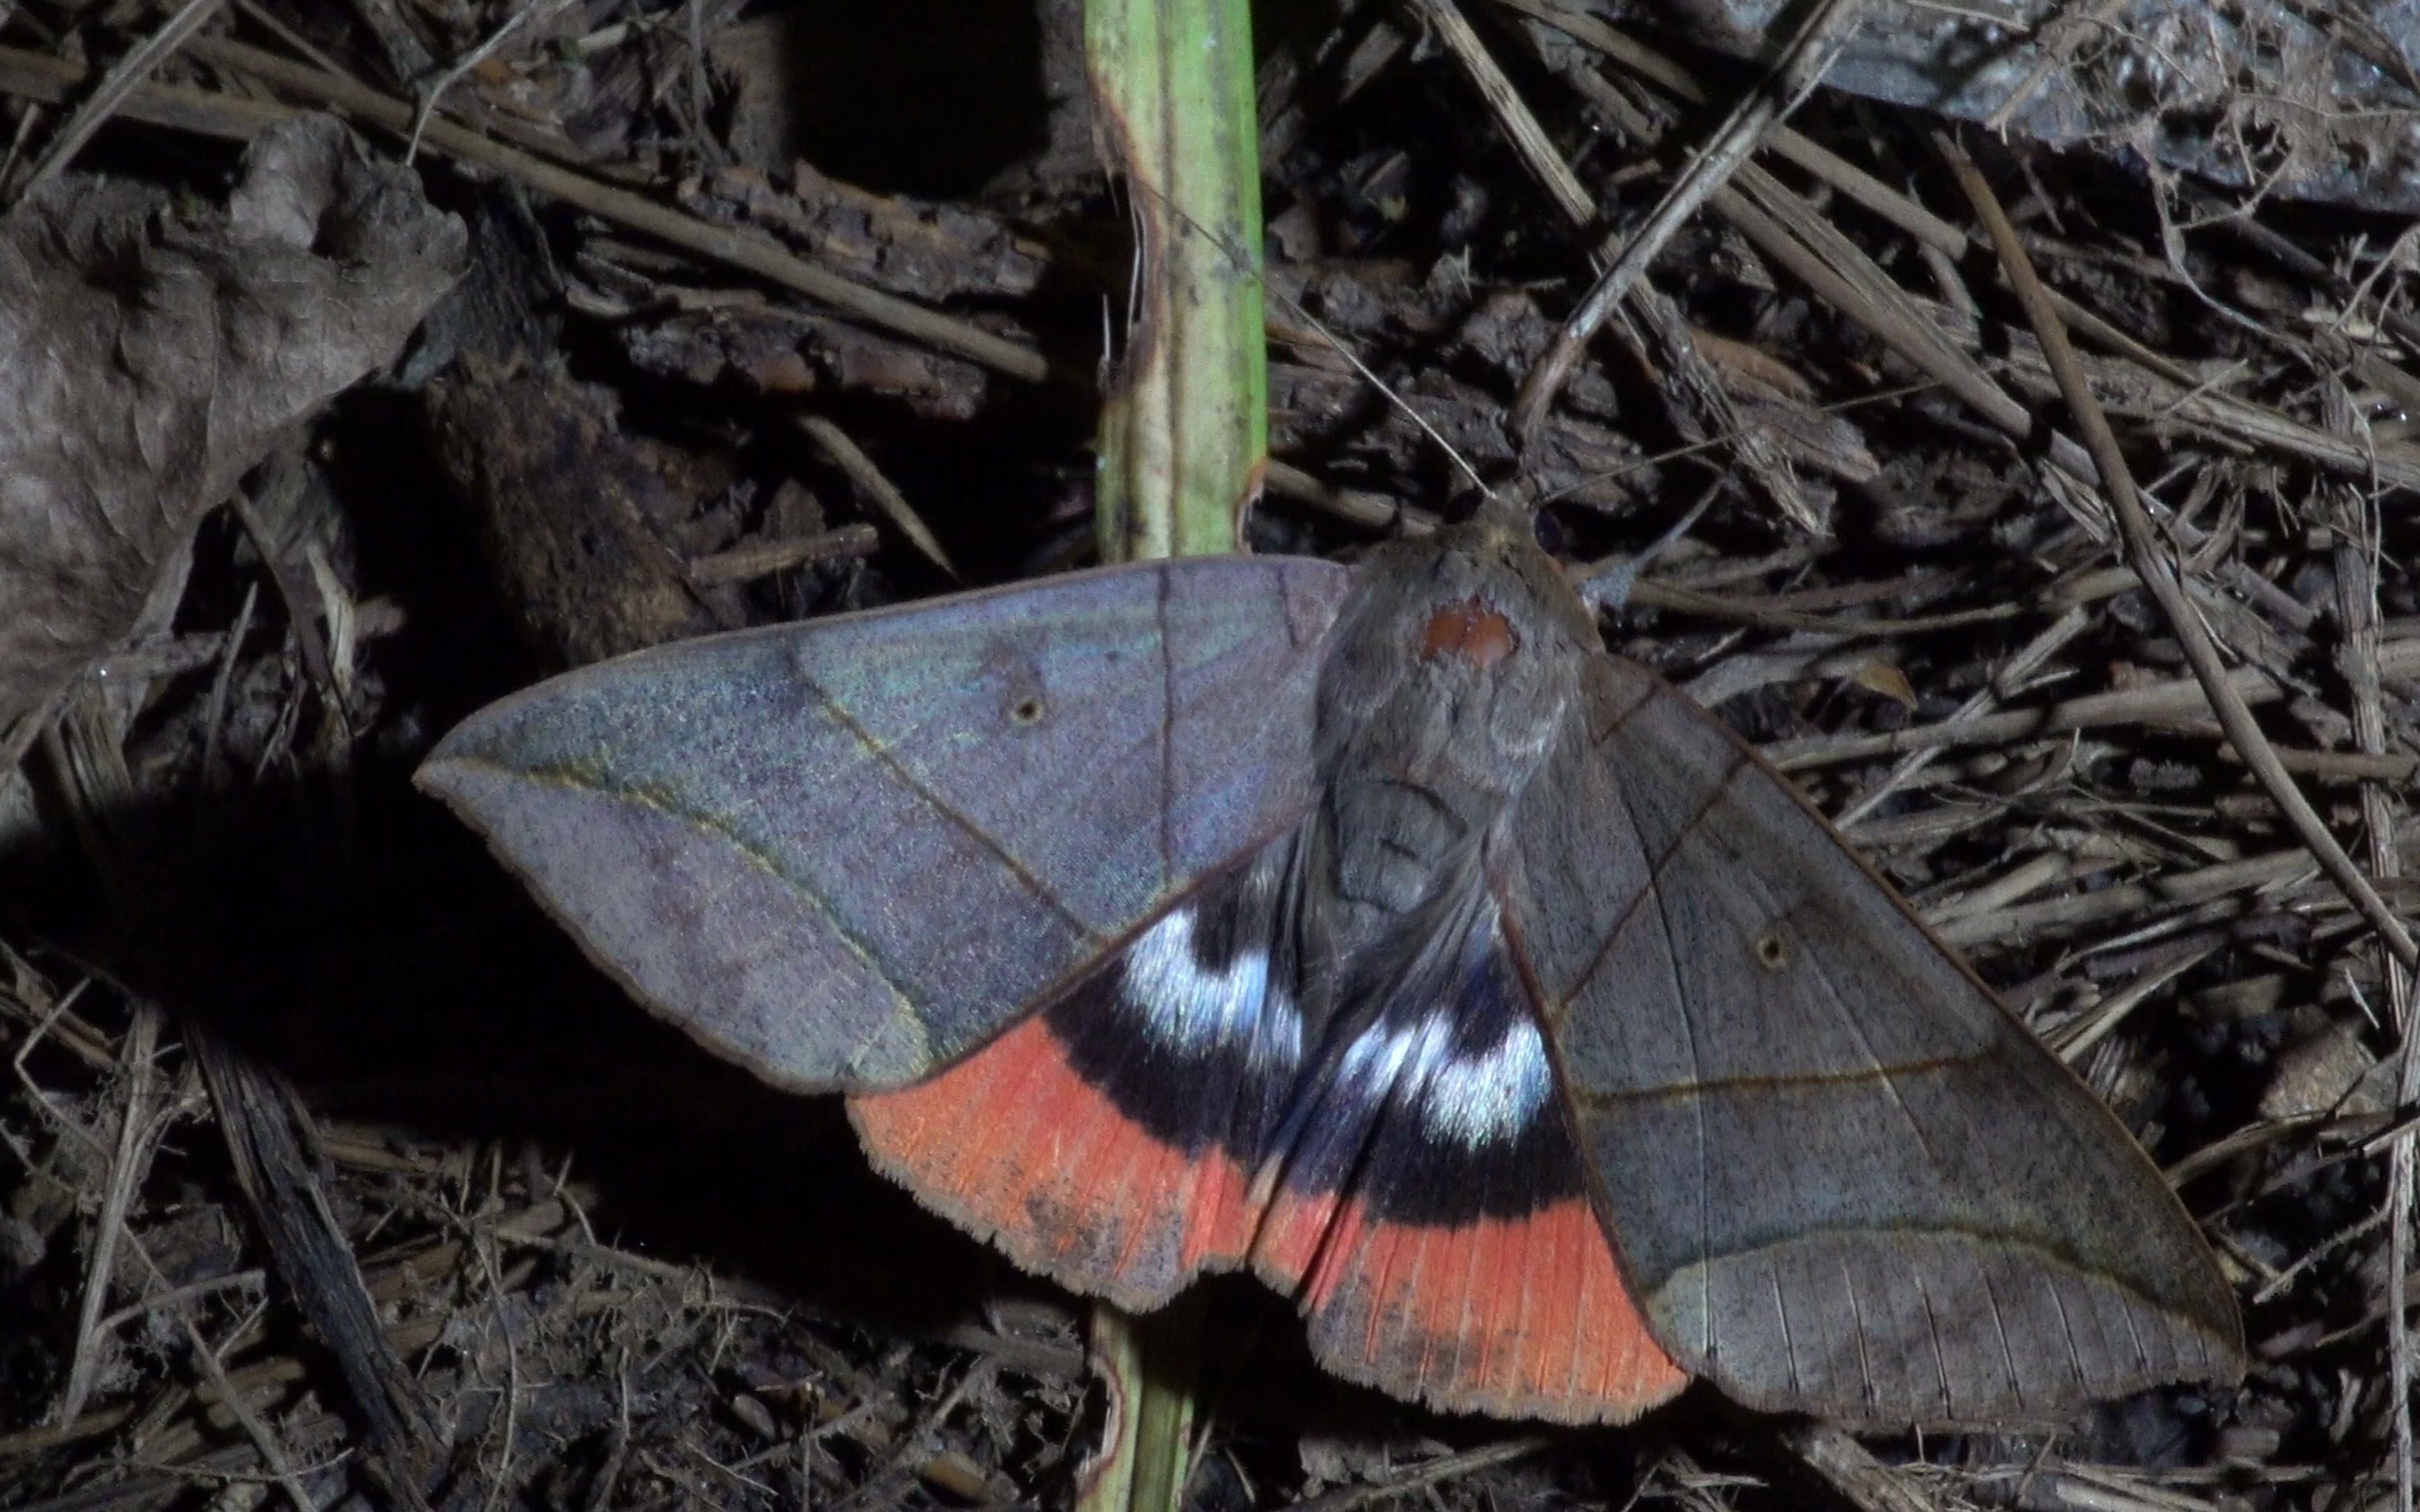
(1827, 32)
(212, 113)
(879, 491)
(178, 1296)
(1520, 125)
(741, 248)
(762, 559)
(1762, 461)
(1850, 1469)
(454, 73)
(1863, 293)
(123, 79)
(2045, 644)
(2172, 702)
(126, 1169)
(1444, 1468)
(272, 1452)
(2357, 555)
(1245, 268)
(2159, 573)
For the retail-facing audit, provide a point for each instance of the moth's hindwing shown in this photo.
(1410, 1175)
(1434, 1212)
(1108, 1140)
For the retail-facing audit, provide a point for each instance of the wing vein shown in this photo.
(1940, 1360)
(1811, 1078)
(2067, 1328)
(1789, 1339)
(1167, 736)
(2134, 1336)
(933, 800)
(1655, 865)
(1864, 1352)
(757, 855)
(1697, 1066)
(2000, 1327)
(1885, 1075)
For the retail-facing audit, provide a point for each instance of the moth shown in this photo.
(1375, 931)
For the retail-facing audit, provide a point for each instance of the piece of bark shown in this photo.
(581, 531)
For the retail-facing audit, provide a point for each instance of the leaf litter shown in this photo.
(332, 1173)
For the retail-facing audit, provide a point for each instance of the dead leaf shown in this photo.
(150, 355)
(1885, 677)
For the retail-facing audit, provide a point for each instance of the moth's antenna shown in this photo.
(1378, 383)
(1243, 266)
(1611, 588)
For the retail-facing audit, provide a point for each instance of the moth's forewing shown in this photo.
(846, 852)
(1842, 1177)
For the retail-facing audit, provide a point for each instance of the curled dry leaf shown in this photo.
(1885, 677)
(149, 356)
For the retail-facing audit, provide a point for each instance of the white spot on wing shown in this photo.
(1385, 1056)
(1490, 1097)
(1469, 1100)
(1194, 1010)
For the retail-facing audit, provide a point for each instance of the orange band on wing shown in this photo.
(1526, 1317)
(1012, 1145)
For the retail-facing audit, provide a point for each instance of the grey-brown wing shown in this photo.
(843, 853)
(1842, 1177)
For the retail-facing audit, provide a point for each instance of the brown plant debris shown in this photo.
(330, 1173)
(150, 358)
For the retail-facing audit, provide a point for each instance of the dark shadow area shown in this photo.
(423, 991)
(925, 98)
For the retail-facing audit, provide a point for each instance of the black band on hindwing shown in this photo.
(1439, 1109)
(1193, 1030)
(1442, 1109)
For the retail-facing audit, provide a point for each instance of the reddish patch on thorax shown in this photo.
(1474, 631)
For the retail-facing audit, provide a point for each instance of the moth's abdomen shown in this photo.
(1394, 841)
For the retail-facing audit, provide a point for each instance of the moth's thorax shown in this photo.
(1447, 679)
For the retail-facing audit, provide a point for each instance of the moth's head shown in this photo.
(1519, 594)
